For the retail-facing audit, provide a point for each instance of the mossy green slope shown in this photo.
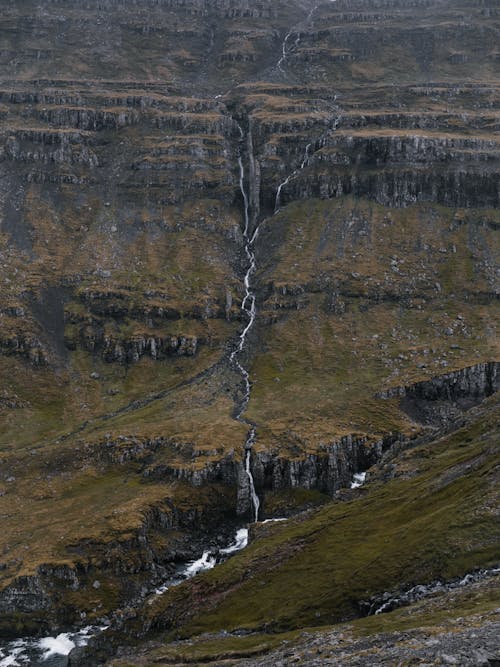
(356, 298)
(122, 260)
(429, 513)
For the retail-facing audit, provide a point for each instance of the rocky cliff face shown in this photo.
(105, 575)
(445, 397)
(368, 140)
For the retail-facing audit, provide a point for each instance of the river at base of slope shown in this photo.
(53, 651)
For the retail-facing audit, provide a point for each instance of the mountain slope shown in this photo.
(360, 141)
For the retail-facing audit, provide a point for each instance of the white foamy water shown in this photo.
(284, 49)
(240, 542)
(253, 494)
(9, 655)
(47, 651)
(60, 645)
(359, 480)
(206, 561)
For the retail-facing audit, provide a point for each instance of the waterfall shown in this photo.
(319, 143)
(284, 52)
(253, 493)
(303, 164)
(248, 303)
(248, 306)
(281, 61)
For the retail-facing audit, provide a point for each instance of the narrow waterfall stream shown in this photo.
(253, 494)
(304, 163)
(209, 559)
(283, 57)
(284, 51)
(248, 307)
(319, 143)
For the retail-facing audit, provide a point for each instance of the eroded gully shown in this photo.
(52, 651)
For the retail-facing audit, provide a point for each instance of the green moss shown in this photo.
(431, 521)
(359, 298)
(285, 501)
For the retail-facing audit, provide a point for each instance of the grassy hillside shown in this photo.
(128, 131)
(427, 513)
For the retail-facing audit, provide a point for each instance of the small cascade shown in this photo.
(305, 161)
(284, 50)
(205, 562)
(253, 493)
(287, 180)
(303, 164)
(359, 479)
(208, 560)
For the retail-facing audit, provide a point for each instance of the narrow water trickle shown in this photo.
(388, 601)
(304, 163)
(283, 57)
(319, 143)
(284, 51)
(208, 560)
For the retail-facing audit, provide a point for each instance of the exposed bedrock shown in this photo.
(25, 345)
(443, 398)
(332, 467)
(399, 170)
(434, 402)
(472, 383)
(157, 347)
(104, 575)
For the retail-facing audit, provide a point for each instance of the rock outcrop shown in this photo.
(443, 398)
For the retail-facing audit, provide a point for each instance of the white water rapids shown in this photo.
(206, 561)
(248, 305)
(47, 651)
(53, 651)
